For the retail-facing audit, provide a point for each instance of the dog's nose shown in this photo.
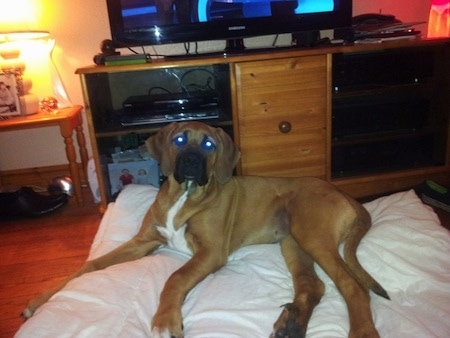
(191, 165)
(191, 160)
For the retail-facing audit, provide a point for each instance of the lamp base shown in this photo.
(29, 104)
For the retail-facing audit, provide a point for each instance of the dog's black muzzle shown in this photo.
(191, 166)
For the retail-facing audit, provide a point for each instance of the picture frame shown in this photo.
(10, 92)
(138, 172)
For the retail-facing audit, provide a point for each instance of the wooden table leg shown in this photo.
(83, 151)
(67, 126)
(73, 167)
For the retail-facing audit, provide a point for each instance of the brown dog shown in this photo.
(202, 209)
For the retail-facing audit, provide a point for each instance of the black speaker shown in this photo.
(305, 39)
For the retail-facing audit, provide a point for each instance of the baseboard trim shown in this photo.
(38, 177)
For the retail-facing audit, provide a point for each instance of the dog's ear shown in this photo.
(228, 156)
(158, 146)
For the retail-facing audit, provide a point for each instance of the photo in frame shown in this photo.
(10, 92)
(137, 172)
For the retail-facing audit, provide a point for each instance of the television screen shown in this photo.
(146, 22)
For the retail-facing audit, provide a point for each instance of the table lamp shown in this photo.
(439, 19)
(25, 54)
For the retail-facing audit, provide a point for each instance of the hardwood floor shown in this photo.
(37, 253)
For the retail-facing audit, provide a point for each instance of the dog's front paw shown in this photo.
(157, 333)
(167, 324)
(164, 333)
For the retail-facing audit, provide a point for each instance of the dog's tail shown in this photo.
(351, 245)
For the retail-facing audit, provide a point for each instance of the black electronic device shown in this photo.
(374, 19)
(383, 27)
(169, 107)
(143, 23)
(162, 103)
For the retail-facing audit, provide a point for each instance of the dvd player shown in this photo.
(168, 102)
(143, 119)
(169, 107)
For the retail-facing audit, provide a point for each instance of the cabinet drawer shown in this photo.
(294, 88)
(299, 153)
(282, 107)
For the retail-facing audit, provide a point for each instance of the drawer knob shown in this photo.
(285, 127)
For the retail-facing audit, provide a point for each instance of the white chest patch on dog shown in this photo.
(175, 237)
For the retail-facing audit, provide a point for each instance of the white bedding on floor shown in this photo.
(406, 250)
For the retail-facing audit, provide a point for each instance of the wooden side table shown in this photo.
(68, 120)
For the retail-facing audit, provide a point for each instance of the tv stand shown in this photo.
(301, 111)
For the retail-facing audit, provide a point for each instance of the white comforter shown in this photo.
(406, 250)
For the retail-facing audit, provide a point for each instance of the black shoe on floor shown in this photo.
(26, 202)
(436, 195)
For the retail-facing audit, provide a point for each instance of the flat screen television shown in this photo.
(151, 22)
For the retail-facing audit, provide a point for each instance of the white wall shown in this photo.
(78, 26)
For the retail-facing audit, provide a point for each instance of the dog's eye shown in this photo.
(208, 143)
(180, 140)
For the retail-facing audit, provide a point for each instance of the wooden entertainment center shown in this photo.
(370, 118)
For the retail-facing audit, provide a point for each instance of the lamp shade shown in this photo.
(439, 19)
(24, 45)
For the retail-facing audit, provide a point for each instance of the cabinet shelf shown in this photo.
(425, 86)
(117, 129)
(383, 136)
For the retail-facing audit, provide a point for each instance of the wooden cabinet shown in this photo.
(282, 116)
(302, 112)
